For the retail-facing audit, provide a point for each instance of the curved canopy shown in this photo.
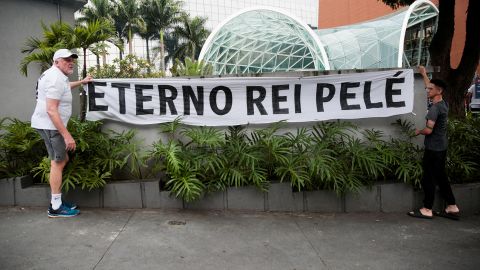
(380, 43)
(263, 40)
(259, 40)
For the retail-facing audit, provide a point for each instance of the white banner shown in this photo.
(243, 100)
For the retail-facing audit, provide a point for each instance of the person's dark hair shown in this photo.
(439, 83)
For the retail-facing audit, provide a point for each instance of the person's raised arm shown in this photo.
(423, 71)
(80, 82)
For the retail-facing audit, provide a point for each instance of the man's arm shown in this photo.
(84, 81)
(427, 130)
(52, 111)
(423, 71)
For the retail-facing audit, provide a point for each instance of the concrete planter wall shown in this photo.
(7, 191)
(382, 197)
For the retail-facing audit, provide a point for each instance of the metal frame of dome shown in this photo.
(313, 44)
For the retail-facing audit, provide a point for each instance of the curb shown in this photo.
(381, 197)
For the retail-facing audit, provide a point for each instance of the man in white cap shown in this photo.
(50, 118)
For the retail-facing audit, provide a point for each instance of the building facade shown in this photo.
(19, 20)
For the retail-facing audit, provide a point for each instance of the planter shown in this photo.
(281, 198)
(245, 198)
(325, 201)
(7, 191)
(385, 197)
(122, 194)
(396, 197)
(152, 197)
(85, 198)
(366, 200)
(210, 201)
(467, 197)
(28, 194)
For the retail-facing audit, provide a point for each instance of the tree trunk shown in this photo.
(104, 54)
(130, 47)
(98, 62)
(83, 96)
(460, 78)
(162, 52)
(148, 56)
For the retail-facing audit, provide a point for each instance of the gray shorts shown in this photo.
(55, 144)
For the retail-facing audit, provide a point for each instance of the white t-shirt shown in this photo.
(52, 84)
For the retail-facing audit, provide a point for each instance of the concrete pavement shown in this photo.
(181, 239)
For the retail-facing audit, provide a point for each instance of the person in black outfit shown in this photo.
(435, 155)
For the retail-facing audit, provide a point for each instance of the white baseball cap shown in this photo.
(64, 53)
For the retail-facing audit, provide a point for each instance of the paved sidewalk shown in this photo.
(179, 239)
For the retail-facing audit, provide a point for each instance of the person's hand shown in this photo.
(87, 79)
(70, 144)
(417, 132)
(422, 70)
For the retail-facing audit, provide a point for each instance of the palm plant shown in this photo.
(41, 50)
(96, 10)
(129, 10)
(120, 26)
(162, 15)
(84, 36)
(191, 33)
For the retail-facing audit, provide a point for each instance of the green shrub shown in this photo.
(129, 67)
(463, 159)
(21, 148)
(328, 156)
(97, 156)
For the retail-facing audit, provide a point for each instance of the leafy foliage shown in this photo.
(191, 68)
(197, 160)
(21, 148)
(129, 67)
(463, 156)
(98, 155)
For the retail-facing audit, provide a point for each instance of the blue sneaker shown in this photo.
(69, 205)
(63, 211)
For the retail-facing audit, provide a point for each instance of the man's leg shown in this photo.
(442, 181)
(428, 184)
(56, 173)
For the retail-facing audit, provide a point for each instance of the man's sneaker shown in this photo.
(63, 211)
(69, 205)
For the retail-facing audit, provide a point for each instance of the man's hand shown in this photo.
(422, 70)
(87, 79)
(70, 144)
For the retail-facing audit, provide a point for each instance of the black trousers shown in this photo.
(434, 174)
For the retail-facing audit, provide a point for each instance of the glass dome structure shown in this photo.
(260, 40)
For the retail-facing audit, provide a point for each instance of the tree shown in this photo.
(98, 10)
(129, 10)
(162, 15)
(119, 24)
(42, 50)
(191, 34)
(458, 79)
(84, 36)
(147, 30)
